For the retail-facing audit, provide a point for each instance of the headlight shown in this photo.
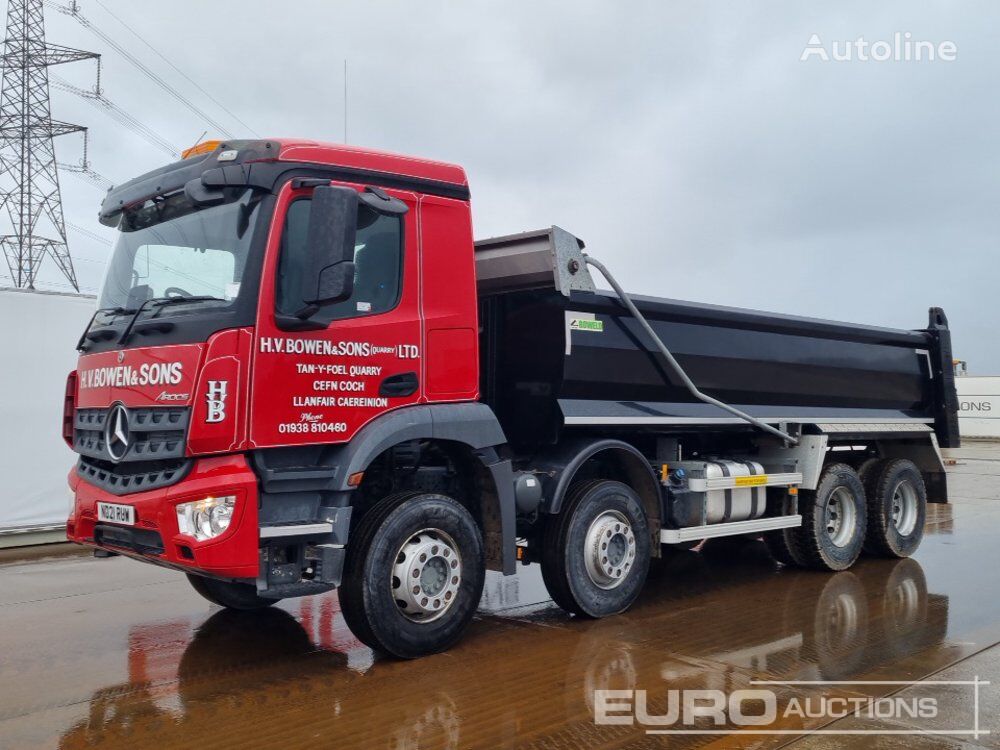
(206, 519)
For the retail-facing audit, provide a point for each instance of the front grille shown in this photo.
(155, 433)
(124, 479)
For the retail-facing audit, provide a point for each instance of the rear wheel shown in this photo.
(781, 548)
(596, 551)
(227, 594)
(413, 575)
(865, 467)
(779, 541)
(834, 520)
(897, 507)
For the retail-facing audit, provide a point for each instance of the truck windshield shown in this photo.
(172, 248)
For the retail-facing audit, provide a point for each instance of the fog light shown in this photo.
(206, 519)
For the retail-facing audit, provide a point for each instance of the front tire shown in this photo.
(596, 551)
(413, 575)
(242, 596)
(834, 521)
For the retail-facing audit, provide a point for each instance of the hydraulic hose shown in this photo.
(674, 365)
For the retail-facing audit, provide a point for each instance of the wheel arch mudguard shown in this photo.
(471, 424)
(561, 466)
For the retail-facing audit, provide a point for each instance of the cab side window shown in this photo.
(378, 264)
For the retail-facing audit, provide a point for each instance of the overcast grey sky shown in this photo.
(686, 143)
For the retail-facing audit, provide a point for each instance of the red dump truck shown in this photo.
(305, 374)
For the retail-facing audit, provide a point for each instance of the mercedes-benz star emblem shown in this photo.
(116, 433)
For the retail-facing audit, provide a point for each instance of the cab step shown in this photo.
(295, 529)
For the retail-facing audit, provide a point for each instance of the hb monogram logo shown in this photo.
(216, 397)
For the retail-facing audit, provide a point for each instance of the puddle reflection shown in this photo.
(526, 673)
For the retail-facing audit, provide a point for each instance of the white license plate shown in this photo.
(113, 513)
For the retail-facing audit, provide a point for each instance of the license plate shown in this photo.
(113, 513)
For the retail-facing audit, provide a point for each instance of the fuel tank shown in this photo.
(554, 361)
(697, 508)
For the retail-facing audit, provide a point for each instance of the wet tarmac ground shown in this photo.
(116, 654)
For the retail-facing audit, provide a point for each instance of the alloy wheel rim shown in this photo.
(903, 513)
(426, 575)
(609, 549)
(840, 517)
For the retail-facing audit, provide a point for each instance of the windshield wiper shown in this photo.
(82, 343)
(161, 302)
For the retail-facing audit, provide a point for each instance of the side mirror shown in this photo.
(330, 238)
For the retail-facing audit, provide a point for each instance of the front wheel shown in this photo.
(413, 575)
(596, 551)
(228, 594)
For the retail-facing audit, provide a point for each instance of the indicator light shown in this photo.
(205, 147)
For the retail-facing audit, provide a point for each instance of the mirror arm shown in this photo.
(307, 312)
(293, 323)
(381, 202)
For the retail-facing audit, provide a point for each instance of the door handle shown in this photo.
(403, 384)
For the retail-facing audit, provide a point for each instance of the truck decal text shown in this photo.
(120, 376)
(325, 348)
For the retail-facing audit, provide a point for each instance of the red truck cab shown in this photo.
(201, 382)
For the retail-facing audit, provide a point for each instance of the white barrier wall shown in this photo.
(38, 336)
(978, 406)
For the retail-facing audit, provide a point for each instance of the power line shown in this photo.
(85, 173)
(74, 12)
(61, 284)
(180, 72)
(88, 233)
(122, 117)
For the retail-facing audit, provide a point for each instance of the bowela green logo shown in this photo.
(581, 324)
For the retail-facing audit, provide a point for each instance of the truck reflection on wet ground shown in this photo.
(525, 676)
(255, 676)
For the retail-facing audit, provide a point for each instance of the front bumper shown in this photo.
(156, 538)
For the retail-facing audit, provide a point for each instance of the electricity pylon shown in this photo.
(29, 180)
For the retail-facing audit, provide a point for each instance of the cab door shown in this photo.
(364, 358)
